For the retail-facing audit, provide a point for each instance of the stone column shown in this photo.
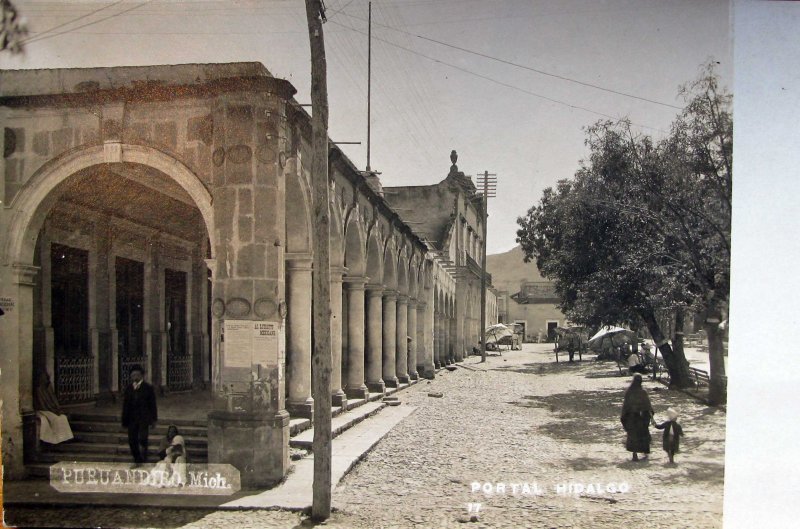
(458, 353)
(401, 357)
(422, 351)
(298, 347)
(374, 342)
(389, 337)
(355, 387)
(412, 345)
(437, 340)
(445, 339)
(249, 427)
(337, 395)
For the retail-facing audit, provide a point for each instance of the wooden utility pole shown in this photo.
(489, 182)
(321, 356)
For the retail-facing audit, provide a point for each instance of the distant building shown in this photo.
(524, 297)
(447, 216)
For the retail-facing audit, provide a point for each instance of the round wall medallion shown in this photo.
(265, 154)
(218, 157)
(265, 308)
(238, 307)
(240, 154)
(283, 310)
(218, 308)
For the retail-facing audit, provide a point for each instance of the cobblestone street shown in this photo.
(519, 420)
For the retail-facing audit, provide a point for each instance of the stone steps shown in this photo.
(101, 438)
(339, 424)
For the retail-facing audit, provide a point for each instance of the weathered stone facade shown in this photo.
(162, 216)
(448, 216)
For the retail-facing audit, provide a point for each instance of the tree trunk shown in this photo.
(677, 336)
(321, 356)
(718, 388)
(676, 363)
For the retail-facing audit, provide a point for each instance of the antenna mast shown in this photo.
(369, 80)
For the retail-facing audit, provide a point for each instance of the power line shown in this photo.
(40, 38)
(523, 66)
(496, 81)
(42, 33)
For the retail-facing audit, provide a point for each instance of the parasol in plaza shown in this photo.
(497, 331)
(617, 336)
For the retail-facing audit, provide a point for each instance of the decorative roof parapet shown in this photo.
(456, 177)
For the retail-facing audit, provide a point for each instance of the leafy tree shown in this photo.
(645, 226)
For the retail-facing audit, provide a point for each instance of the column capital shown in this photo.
(355, 282)
(390, 294)
(336, 273)
(374, 290)
(402, 299)
(422, 304)
(300, 264)
(412, 303)
(25, 274)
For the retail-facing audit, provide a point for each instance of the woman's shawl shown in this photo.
(44, 399)
(636, 400)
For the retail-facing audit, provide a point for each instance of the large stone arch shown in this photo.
(337, 235)
(374, 259)
(298, 224)
(354, 248)
(390, 265)
(41, 192)
(402, 272)
(413, 278)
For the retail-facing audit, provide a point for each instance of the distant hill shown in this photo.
(509, 270)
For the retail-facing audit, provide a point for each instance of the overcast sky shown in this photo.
(429, 97)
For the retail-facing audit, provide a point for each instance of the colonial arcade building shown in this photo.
(161, 216)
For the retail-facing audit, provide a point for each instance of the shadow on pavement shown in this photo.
(552, 368)
(587, 463)
(694, 472)
(581, 416)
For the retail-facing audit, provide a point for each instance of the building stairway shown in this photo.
(101, 438)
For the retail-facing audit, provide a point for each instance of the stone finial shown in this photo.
(454, 159)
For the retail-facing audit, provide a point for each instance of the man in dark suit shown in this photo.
(139, 412)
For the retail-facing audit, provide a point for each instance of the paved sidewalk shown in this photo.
(520, 419)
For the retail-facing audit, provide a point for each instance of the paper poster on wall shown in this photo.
(265, 343)
(238, 343)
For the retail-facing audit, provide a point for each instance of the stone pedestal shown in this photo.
(255, 443)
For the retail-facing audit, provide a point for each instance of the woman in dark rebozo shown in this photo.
(636, 416)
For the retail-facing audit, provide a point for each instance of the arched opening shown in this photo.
(108, 246)
(123, 281)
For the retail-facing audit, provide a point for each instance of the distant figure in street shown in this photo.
(53, 423)
(672, 434)
(635, 364)
(636, 416)
(139, 413)
(539, 336)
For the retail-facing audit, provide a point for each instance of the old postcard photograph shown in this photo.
(397, 263)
